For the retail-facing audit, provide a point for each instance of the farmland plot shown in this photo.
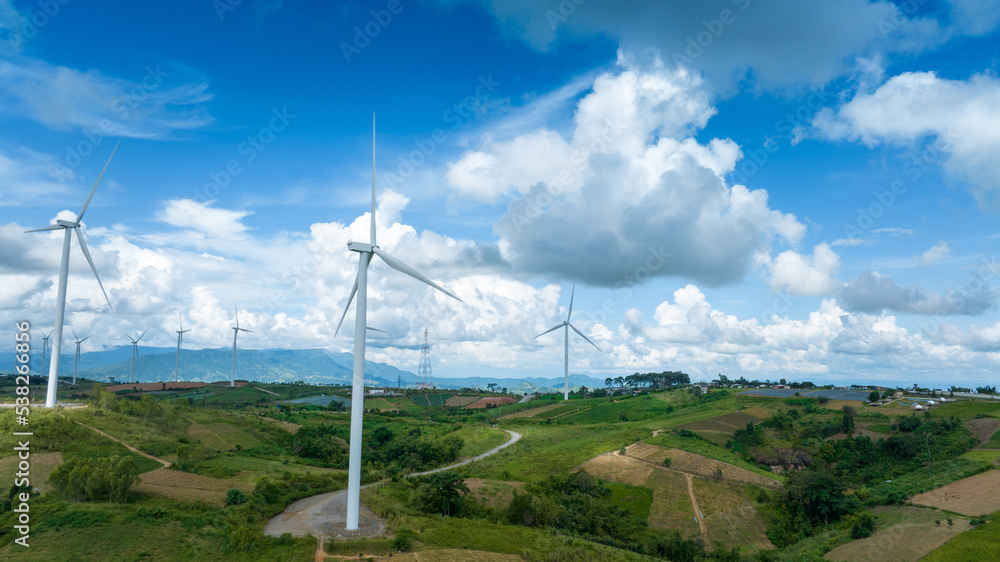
(969, 496)
(187, 487)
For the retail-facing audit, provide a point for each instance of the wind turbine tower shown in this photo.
(135, 353)
(236, 331)
(76, 364)
(566, 325)
(366, 253)
(177, 362)
(45, 344)
(68, 227)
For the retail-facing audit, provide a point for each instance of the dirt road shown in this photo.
(325, 515)
(126, 445)
(694, 506)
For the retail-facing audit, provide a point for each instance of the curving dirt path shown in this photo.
(126, 445)
(325, 515)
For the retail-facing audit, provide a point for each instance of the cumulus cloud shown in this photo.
(630, 182)
(975, 17)
(935, 253)
(800, 274)
(961, 116)
(874, 292)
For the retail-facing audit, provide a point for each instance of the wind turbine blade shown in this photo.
(584, 337)
(552, 329)
(142, 334)
(85, 339)
(76, 337)
(403, 268)
(237, 314)
(571, 295)
(377, 330)
(373, 180)
(90, 260)
(354, 290)
(79, 217)
(53, 227)
(245, 330)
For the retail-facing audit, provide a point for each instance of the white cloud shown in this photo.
(163, 100)
(975, 17)
(934, 254)
(202, 218)
(963, 116)
(874, 292)
(628, 182)
(802, 274)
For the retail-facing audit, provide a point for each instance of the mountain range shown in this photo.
(312, 366)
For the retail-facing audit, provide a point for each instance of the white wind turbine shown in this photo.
(565, 324)
(236, 331)
(69, 226)
(177, 363)
(366, 252)
(45, 344)
(135, 352)
(76, 364)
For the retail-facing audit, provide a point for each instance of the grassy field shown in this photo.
(636, 499)
(730, 515)
(965, 409)
(982, 543)
(613, 411)
(42, 464)
(554, 449)
(186, 487)
(902, 534)
(699, 465)
(983, 455)
(494, 494)
(928, 478)
(220, 436)
(530, 413)
(711, 450)
(249, 469)
(478, 440)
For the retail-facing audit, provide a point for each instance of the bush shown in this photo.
(404, 539)
(667, 461)
(235, 497)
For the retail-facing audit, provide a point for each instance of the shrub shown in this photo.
(235, 497)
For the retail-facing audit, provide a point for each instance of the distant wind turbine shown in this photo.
(135, 352)
(69, 226)
(77, 362)
(565, 324)
(236, 331)
(45, 344)
(177, 363)
(367, 253)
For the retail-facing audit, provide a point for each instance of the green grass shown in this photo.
(993, 443)
(711, 450)
(966, 409)
(554, 449)
(635, 499)
(983, 455)
(982, 543)
(251, 468)
(478, 440)
(933, 476)
(880, 428)
(534, 544)
(631, 409)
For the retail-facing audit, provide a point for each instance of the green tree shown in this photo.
(441, 493)
(847, 424)
(874, 396)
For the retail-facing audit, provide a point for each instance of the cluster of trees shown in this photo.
(666, 379)
(986, 390)
(92, 479)
(410, 450)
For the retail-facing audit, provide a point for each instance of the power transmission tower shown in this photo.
(424, 369)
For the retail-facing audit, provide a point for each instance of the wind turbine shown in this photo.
(367, 253)
(45, 343)
(236, 331)
(68, 227)
(565, 324)
(77, 363)
(135, 352)
(177, 363)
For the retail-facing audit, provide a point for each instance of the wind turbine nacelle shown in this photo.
(359, 247)
(66, 224)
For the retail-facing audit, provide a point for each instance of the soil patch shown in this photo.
(971, 496)
(912, 539)
(187, 487)
(983, 428)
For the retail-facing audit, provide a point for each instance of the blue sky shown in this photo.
(772, 190)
